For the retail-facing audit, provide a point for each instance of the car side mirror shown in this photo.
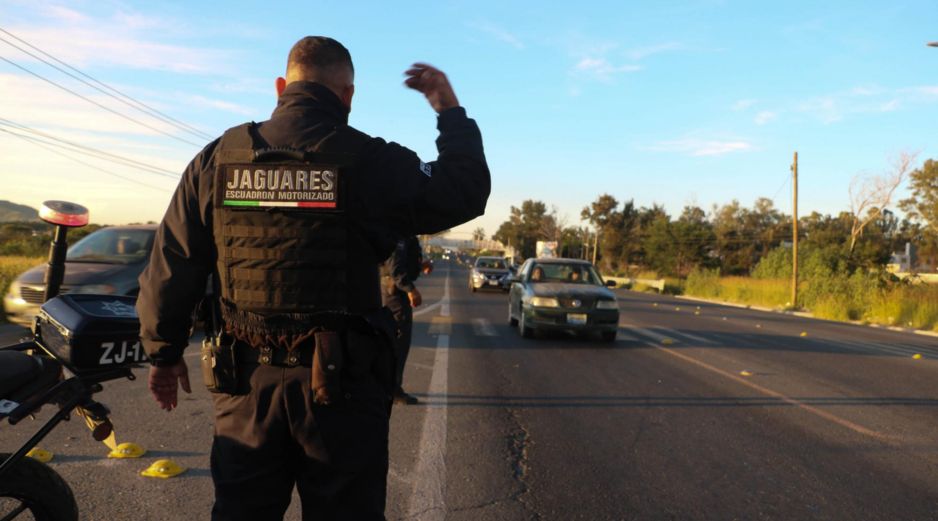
(610, 283)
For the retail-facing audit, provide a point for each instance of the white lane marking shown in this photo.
(444, 302)
(426, 309)
(695, 338)
(624, 335)
(870, 347)
(428, 502)
(482, 327)
(660, 334)
(649, 333)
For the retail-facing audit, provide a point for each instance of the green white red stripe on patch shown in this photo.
(280, 204)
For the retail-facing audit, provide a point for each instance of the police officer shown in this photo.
(291, 218)
(400, 296)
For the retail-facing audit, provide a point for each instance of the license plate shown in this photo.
(493, 283)
(576, 318)
(119, 353)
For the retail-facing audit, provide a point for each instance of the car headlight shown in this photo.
(607, 304)
(544, 302)
(95, 289)
(14, 291)
(477, 275)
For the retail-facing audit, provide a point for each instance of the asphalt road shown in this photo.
(698, 411)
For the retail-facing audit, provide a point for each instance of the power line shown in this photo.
(121, 97)
(99, 154)
(99, 105)
(97, 168)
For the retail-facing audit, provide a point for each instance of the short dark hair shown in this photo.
(318, 56)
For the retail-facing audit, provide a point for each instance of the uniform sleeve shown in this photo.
(399, 273)
(426, 198)
(175, 278)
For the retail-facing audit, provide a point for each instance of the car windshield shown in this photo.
(112, 246)
(491, 264)
(569, 273)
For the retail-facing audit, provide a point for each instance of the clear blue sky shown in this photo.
(691, 102)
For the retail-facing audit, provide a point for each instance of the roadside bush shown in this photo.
(703, 283)
(644, 288)
(673, 286)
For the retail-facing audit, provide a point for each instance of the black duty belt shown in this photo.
(301, 356)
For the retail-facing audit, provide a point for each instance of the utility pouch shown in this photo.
(219, 368)
(361, 350)
(326, 374)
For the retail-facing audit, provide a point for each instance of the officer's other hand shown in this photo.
(433, 84)
(415, 298)
(427, 267)
(164, 383)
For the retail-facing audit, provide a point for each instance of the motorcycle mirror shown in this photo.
(64, 213)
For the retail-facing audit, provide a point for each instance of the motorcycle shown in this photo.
(78, 342)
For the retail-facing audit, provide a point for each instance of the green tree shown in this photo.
(526, 225)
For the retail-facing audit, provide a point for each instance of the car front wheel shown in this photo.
(609, 336)
(512, 321)
(523, 329)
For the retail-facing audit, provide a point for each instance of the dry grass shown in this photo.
(914, 306)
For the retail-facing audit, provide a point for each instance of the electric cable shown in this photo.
(101, 86)
(99, 105)
(100, 154)
(36, 142)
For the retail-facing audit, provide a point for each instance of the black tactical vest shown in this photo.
(284, 228)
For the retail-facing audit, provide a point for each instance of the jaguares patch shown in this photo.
(288, 185)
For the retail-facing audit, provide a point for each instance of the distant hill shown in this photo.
(11, 212)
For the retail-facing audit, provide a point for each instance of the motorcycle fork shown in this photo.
(62, 414)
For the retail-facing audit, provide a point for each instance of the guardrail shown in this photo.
(926, 278)
(651, 283)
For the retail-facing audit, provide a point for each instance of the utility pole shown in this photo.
(794, 234)
(595, 245)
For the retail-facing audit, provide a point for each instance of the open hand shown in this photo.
(431, 81)
(164, 383)
(415, 298)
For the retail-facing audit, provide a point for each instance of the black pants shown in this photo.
(399, 305)
(271, 437)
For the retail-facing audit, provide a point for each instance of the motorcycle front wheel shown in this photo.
(32, 490)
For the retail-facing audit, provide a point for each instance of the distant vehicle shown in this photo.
(447, 254)
(545, 249)
(489, 272)
(106, 262)
(562, 294)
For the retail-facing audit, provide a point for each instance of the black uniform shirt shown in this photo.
(404, 264)
(403, 195)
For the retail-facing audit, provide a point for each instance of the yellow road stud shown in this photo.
(677, 309)
(667, 341)
(804, 333)
(745, 373)
(917, 356)
(127, 450)
(163, 468)
(40, 455)
(758, 326)
(696, 312)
